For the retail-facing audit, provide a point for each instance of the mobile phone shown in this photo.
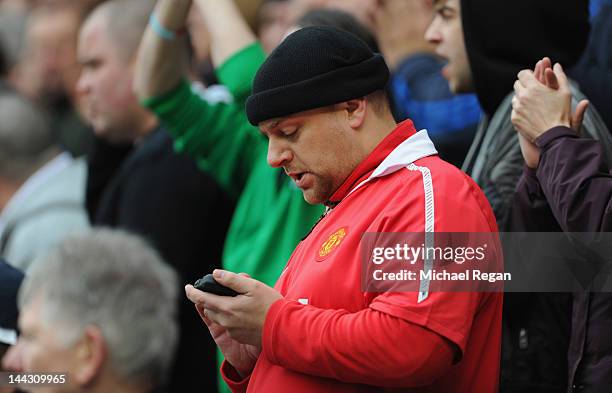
(210, 285)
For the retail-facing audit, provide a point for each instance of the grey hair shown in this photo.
(125, 23)
(25, 136)
(114, 281)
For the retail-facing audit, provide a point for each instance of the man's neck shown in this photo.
(380, 128)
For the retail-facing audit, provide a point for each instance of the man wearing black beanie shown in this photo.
(319, 100)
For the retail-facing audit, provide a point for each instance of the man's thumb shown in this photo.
(232, 280)
(578, 115)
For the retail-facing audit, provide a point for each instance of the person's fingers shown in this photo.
(551, 79)
(244, 275)
(191, 293)
(514, 102)
(214, 327)
(202, 313)
(527, 78)
(546, 63)
(515, 118)
(237, 282)
(206, 300)
(560, 76)
(216, 318)
(538, 72)
(578, 115)
(519, 91)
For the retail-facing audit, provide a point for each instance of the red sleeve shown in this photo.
(347, 346)
(233, 379)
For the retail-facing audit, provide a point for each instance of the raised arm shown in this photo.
(228, 30)
(229, 34)
(214, 132)
(162, 62)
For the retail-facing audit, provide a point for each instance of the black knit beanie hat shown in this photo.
(312, 68)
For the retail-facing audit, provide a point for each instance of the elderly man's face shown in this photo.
(39, 349)
(316, 148)
(446, 32)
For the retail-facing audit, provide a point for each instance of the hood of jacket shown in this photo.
(503, 37)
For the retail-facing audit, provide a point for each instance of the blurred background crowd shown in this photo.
(94, 132)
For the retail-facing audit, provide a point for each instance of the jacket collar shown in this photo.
(397, 150)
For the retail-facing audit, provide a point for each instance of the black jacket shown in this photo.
(161, 195)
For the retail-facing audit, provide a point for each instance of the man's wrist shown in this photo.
(172, 14)
(162, 32)
(242, 374)
(232, 377)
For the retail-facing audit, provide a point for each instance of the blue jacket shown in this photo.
(421, 93)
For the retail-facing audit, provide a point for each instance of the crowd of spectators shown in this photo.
(136, 156)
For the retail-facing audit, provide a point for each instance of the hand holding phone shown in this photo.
(210, 285)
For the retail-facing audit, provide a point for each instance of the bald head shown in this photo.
(125, 22)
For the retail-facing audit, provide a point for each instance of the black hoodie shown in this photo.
(503, 37)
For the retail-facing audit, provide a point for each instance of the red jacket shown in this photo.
(327, 335)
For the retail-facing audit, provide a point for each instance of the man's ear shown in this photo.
(356, 111)
(91, 354)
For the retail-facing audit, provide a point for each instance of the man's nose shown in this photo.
(278, 154)
(432, 34)
(82, 86)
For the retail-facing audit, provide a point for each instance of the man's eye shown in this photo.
(91, 64)
(445, 13)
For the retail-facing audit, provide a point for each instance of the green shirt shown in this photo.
(271, 215)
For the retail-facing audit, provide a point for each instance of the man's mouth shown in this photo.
(298, 178)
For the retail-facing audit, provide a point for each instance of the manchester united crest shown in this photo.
(331, 243)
